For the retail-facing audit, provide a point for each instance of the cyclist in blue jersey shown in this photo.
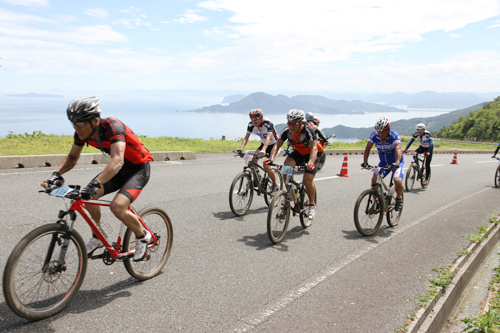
(425, 148)
(388, 144)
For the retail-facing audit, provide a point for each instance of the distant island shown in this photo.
(32, 94)
(282, 104)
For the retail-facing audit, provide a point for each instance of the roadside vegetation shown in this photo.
(38, 143)
(483, 124)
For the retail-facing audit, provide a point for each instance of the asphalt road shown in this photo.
(225, 275)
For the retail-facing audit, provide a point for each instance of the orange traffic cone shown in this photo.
(343, 171)
(454, 158)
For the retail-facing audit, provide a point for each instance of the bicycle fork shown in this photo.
(60, 265)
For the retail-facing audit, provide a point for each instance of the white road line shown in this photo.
(484, 161)
(251, 321)
(324, 178)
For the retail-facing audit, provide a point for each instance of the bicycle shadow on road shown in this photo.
(384, 232)
(262, 242)
(223, 216)
(84, 301)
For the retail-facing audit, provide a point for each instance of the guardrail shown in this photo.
(35, 161)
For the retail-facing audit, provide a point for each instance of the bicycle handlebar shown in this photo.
(242, 154)
(74, 194)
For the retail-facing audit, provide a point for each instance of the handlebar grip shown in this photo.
(58, 183)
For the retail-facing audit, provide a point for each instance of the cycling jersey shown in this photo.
(425, 141)
(266, 127)
(387, 151)
(300, 142)
(112, 130)
(319, 134)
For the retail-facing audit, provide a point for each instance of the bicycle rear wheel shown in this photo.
(368, 212)
(392, 215)
(160, 225)
(304, 219)
(278, 217)
(269, 186)
(411, 174)
(497, 177)
(34, 290)
(241, 194)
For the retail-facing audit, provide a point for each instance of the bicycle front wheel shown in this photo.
(269, 186)
(160, 225)
(497, 177)
(34, 286)
(423, 182)
(392, 215)
(241, 194)
(278, 217)
(321, 161)
(368, 213)
(411, 174)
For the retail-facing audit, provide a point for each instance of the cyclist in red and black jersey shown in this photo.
(305, 150)
(128, 170)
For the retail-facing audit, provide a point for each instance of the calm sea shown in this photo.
(160, 117)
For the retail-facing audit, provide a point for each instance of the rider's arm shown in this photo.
(117, 152)
(245, 140)
(397, 151)
(366, 153)
(314, 151)
(496, 150)
(70, 160)
(277, 146)
(409, 143)
(431, 145)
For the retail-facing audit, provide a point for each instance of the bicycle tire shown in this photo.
(365, 212)
(304, 219)
(392, 215)
(35, 292)
(423, 174)
(321, 161)
(411, 174)
(278, 218)
(160, 224)
(269, 186)
(497, 177)
(241, 194)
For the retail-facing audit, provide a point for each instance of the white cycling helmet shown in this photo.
(309, 117)
(295, 115)
(383, 124)
(421, 126)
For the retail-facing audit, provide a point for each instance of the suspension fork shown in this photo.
(67, 235)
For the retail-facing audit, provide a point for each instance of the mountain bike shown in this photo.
(278, 215)
(416, 171)
(46, 268)
(250, 180)
(497, 175)
(374, 202)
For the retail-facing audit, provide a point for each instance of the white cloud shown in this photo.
(190, 17)
(99, 13)
(28, 3)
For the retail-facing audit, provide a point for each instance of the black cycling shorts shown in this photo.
(129, 180)
(303, 159)
(268, 150)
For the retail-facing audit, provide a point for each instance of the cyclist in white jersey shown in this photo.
(264, 128)
(425, 148)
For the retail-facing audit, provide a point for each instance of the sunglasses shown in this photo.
(292, 123)
(78, 123)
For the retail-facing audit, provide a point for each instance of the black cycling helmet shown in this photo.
(83, 109)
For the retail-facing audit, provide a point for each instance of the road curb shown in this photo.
(433, 318)
(35, 161)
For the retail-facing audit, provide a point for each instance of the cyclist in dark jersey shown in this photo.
(426, 147)
(128, 170)
(314, 123)
(305, 151)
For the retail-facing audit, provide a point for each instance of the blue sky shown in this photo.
(248, 46)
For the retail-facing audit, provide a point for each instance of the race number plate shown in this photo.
(248, 157)
(61, 191)
(287, 170)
